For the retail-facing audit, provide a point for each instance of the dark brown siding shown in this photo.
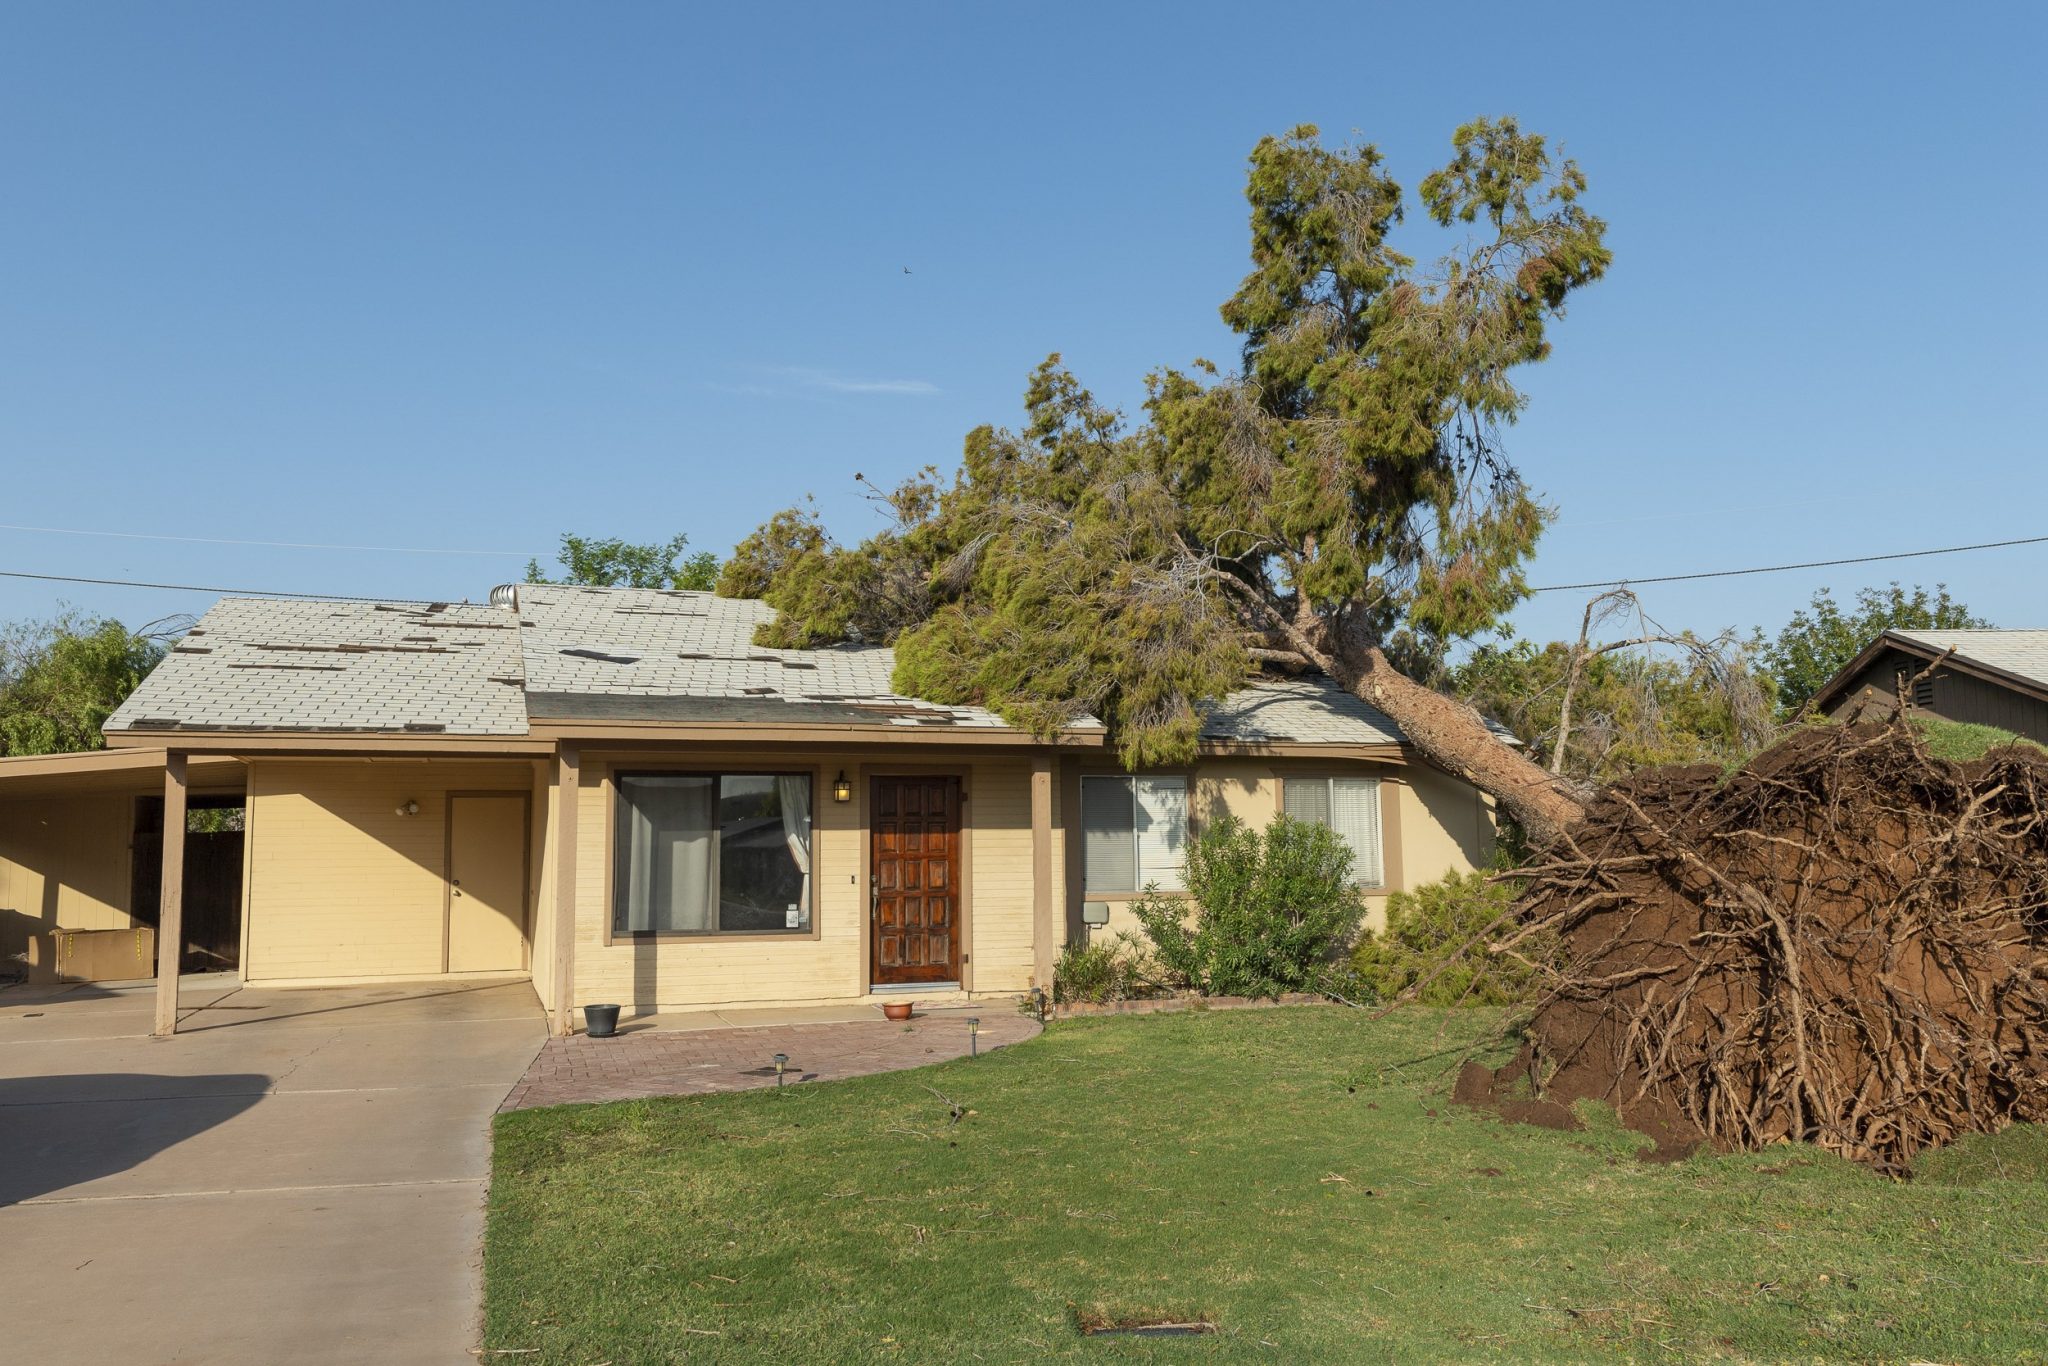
(1957, 697)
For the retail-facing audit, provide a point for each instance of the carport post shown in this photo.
(568, 788)
(1043, 948)
(170, 920)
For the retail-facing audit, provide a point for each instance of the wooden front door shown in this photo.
(914, 876)
(486, 883)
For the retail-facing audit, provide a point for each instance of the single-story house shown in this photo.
(617, 794)
(1986, 677)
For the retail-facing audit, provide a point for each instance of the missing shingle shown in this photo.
(798, 664)
(758, 692)
(424, 727)
(600, 655)
(693, 654)
(301, 668)
(191, 649)
(155, 723)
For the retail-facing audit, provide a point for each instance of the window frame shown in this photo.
(614, 787)
(1383, 783)
(1187, 781)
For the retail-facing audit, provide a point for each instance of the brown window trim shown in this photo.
(614, 935)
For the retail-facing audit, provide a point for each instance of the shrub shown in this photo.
(1270, 909)
(1097, 971)
(1427, 925)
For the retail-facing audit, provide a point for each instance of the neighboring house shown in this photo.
(1988, 678)
(748, 826)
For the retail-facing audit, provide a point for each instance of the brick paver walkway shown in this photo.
(657, 1062)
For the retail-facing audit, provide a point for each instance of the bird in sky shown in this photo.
(906, 270)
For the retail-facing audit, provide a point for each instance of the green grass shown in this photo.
(1962, 741)
(1296, 1176)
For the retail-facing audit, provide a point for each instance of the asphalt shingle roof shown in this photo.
(2021, 653)
(1306, 710)
(592, 653)
(273, 664)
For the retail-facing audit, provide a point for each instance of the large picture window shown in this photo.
(1134, 833)
(1349, 806)
(712, 853)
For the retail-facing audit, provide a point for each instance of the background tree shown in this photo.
(614, 563)
(1635, 707)
(1821, 637)
(61, 679)
(1347, 484)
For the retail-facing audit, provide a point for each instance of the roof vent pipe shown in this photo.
(506, 595)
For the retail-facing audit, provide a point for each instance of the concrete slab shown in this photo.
(309, 1277)
(297, 1177)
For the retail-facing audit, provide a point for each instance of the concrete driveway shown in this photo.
(298, 1176)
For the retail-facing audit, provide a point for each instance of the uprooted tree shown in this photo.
(1342, 502)
(1839, 943)
(1345, 493)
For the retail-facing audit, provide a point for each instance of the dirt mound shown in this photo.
(1845, 942)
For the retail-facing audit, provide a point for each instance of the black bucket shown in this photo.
(600, 1022)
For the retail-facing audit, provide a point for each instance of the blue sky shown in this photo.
(467, 276)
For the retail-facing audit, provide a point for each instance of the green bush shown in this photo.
(1429, 924)
(1270, 910)
(1097, 971)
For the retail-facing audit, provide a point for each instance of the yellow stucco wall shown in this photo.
(63, 865)
(1434, 823)
(340, 885)
(674, 973)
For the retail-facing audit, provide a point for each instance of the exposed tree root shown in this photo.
(1844, 942)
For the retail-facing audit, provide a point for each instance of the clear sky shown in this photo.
(465, 276)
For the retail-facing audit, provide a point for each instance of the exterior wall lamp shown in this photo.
(842, 790)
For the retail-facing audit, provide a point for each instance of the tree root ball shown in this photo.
(1844, 942)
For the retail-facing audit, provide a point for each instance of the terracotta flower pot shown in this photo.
(896, 1010)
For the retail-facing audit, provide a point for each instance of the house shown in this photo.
(617, 794)
(1987, 677)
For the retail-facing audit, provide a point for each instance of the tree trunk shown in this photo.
(1450, 735)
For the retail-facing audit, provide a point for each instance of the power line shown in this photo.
(1782, 568)
(273, 545)
(197, 588)
(1547, 588)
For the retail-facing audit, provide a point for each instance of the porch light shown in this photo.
(974, 1036)
(842, 790)
(408, 807)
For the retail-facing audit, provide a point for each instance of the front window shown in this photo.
(712, 853)
(1349, 806)
(1134, 833)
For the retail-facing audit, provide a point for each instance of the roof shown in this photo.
(557, 654)
(2023, 654)
(2017, 659)
(280, 664)
(627, 650)
(1310, 710)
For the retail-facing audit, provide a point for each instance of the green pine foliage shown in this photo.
(1347, 485)
(1266, 911)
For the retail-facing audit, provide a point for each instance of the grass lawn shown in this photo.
(1296, 1177)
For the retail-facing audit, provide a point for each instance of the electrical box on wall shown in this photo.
(1095, 913)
